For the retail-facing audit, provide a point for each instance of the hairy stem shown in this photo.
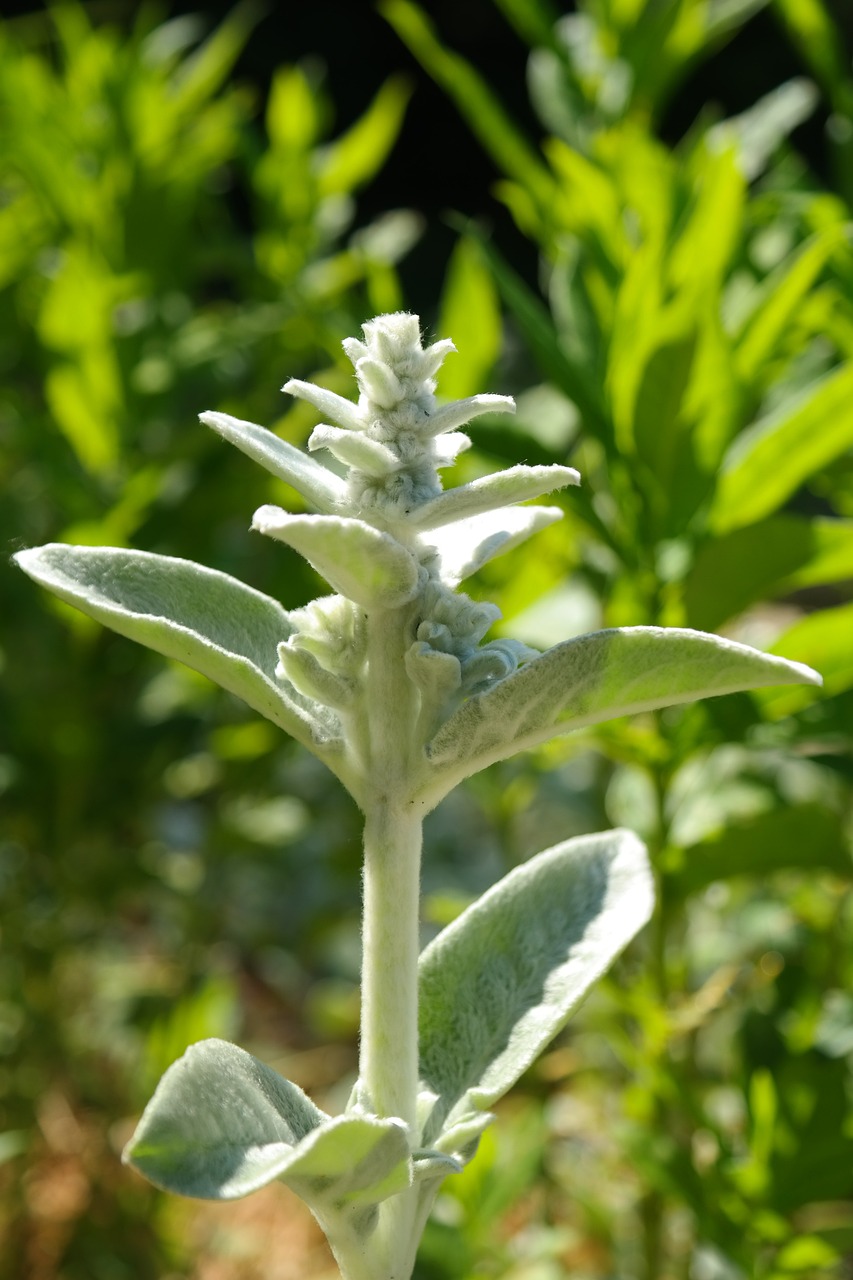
(389, 991)
(392, 854)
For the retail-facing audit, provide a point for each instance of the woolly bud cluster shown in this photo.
(389, 538)
(397, 438)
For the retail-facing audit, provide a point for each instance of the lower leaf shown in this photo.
(221, 1124)
(499, 983)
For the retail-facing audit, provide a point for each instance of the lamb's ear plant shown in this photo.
(391, 683)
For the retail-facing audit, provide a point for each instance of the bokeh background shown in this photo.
(634, 216)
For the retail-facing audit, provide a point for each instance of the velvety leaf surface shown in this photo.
(599, 677)
(315, 482)
(499, 982)
(221, 1124)
(210, 621)
(466, 546)
(516, 484)
(362, 563)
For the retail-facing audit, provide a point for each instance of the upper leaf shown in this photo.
(315, 482)
(499, 982)
(208, 620)
(464, 547)
(362, 563)
(598, 677)
(502, 488)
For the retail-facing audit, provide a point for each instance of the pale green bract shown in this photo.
(394, 685)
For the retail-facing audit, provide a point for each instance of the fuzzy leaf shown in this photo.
(355, 449)
(599, 677)
(315, 482)
(458, 412)
(222, 1124)
(501, 489)
(329, 403)
(362, 563)
(466, 546)
(208, 620)
(499, 982)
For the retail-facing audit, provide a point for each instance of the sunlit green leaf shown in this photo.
(773, 458)
(777, 555)
(470, 312)
(354, 157)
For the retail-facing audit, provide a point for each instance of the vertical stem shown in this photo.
(389, 990)
(392, 854)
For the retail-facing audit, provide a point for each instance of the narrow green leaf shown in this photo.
(825, 639)
(471, 312)
(202, 74)
(477, 104)
(816, 35)
(208, 620)
(599, 677)
(781, 296)
(315, 482)
(762, 561)
(538, 331)
(769, 462)
(357, 155)
(806, 836)
(362, 563)
(499, 982)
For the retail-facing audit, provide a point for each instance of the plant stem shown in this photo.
(389, 981)
(392, 854)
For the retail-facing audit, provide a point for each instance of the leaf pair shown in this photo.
(230, 632)
(495, 987)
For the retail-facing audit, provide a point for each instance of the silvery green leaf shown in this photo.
(458, 412)
(222, 1124)
(362, 563)
(466, 546)
(206, 619)
(502, 489)
(327, 402)
(355, 449)
(315, 482)
(352, 1160)
(598, 677)
(499, 982)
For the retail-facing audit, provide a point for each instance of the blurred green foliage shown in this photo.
(170, 869)
(694, 310)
